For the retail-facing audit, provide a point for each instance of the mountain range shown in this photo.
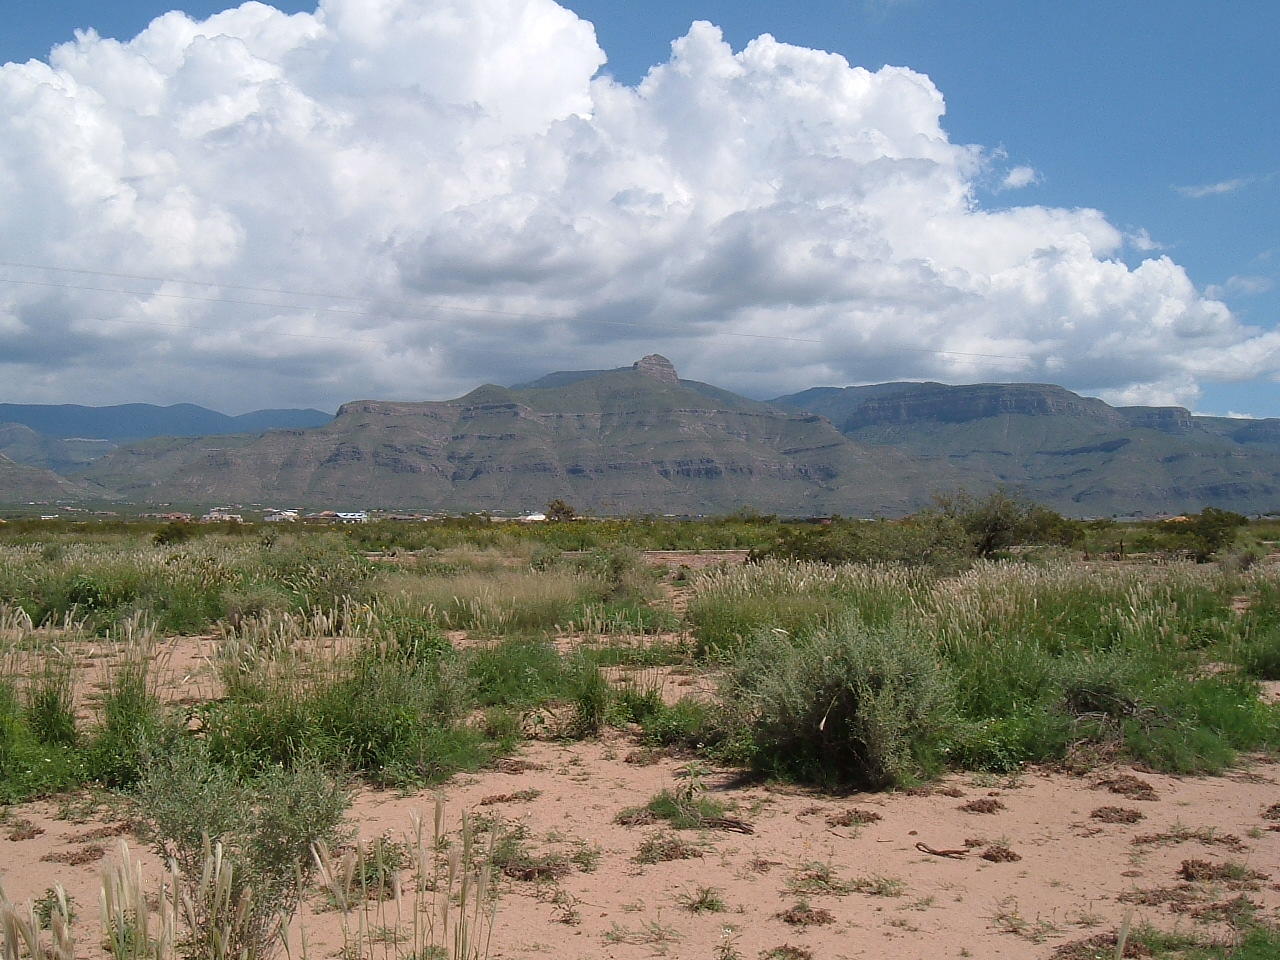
(639, 439)
(136, 421)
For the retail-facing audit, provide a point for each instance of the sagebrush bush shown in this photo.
(266, 825)
(850, 706)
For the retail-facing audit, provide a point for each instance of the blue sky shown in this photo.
(1163, 115)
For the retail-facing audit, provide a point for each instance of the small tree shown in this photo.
(1000, 520)
(558, 510)
(1207, 532)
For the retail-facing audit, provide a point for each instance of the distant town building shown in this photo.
(221, 516)
(281, 516)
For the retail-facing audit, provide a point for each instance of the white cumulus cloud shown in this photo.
(401, 198)
(1019, 177)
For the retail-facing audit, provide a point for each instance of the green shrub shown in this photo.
(1201, 724)
(687, 722)
(1004, 743)
(851, 706)
(515, 671)
(173, 532)
(591, 696)
(1000, 520)
(935, 541)
(688, 808)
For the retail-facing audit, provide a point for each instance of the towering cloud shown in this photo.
(483, 202)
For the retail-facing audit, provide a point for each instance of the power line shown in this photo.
(205, 329)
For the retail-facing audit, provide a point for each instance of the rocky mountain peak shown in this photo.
(658, 367)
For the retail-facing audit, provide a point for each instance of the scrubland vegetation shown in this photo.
(981, 636)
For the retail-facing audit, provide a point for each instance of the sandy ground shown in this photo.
(901, 902)
(1054, 874)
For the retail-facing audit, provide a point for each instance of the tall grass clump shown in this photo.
(133, 722)
(39, 740)
(435, 897)
(854, 705)
(30, 766)
(181, 587)
(1051, 660)
(24, 937)
(729, 606)
(525, 673)
(501, 601)
(444, 907)
(1257, 647)
(390, 711)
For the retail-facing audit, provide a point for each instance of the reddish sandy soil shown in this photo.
(1066, 886)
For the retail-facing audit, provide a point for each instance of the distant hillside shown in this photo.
(23, 445)
(1076, 453)
(20, 483)
(637, 439)
(135, 421)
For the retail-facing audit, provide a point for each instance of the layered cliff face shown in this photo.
(636, 439)
(1075, 453)
(944, 404)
